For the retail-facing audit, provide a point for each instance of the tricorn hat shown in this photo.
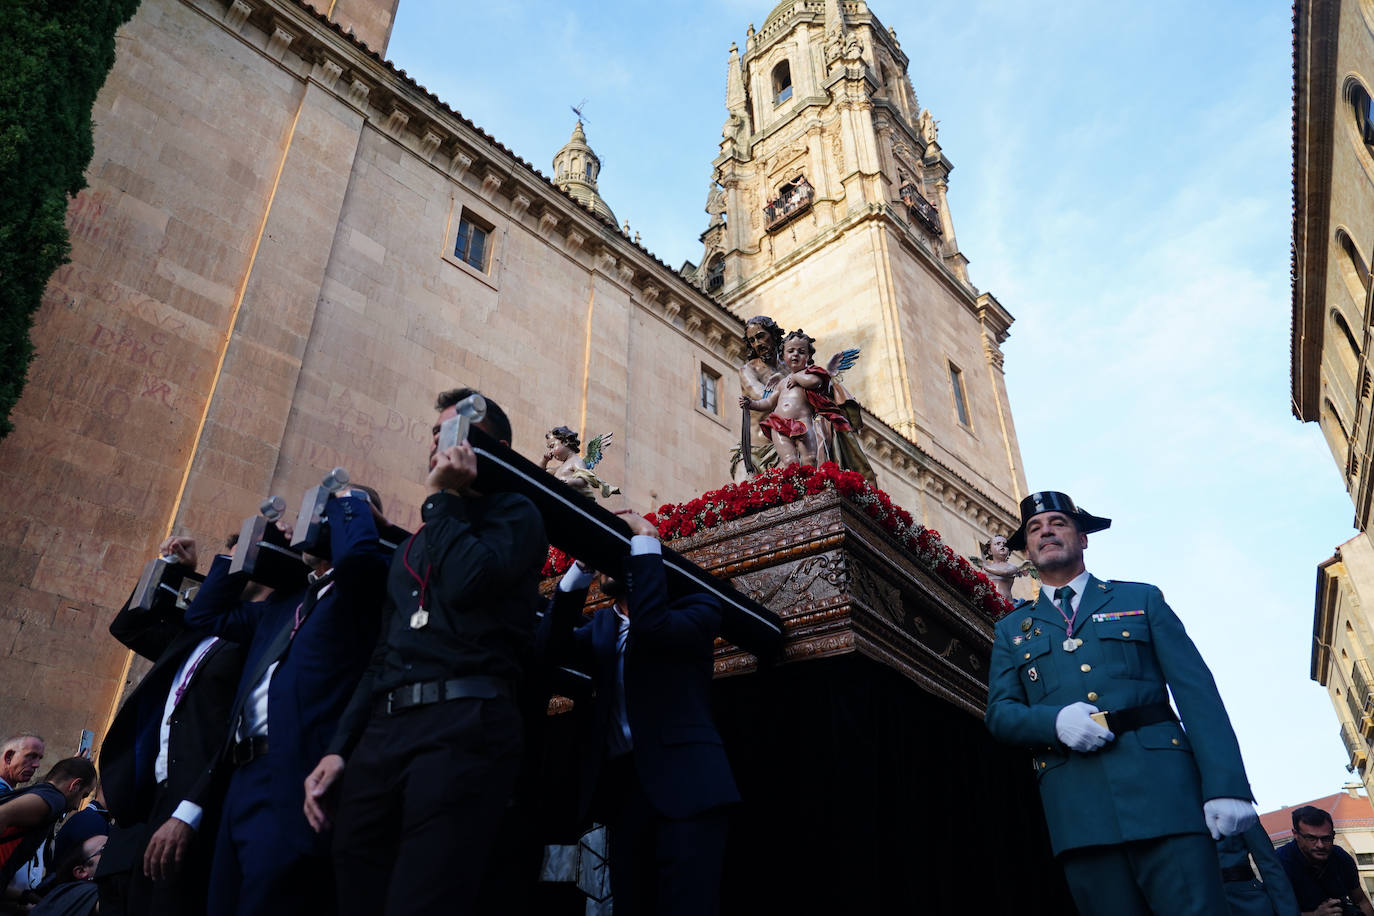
(1052, 501)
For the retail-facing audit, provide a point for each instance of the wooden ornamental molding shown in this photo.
(841, 585)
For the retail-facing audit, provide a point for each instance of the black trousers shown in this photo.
(422, 799)
(181, 895)
(660, 866)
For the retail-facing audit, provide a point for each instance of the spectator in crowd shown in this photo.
(72, 890)
(653, 768)
(163, 738)
(28, 815)
(305, 653)
(20, 756)
(1324, 876)
(432, 737)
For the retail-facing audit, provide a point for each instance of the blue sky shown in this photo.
(1122, 185)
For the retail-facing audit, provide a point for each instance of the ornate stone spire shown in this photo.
(575, 169)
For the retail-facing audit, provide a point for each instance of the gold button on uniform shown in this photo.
(1042, 764)
(1092, 696)
(1027, 655)
(1085, 668)
(1174, 740)
(1126, 633)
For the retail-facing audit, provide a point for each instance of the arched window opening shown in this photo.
(1355, 260)
(1349, 347)
(782, 83)
(715, 272)
(1362, 106)
(1337, 436)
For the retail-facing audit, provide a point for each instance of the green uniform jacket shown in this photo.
(1150, 782)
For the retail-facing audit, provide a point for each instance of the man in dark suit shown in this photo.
(653, 767)
(426, 755)
(305, 653)
(162, 739)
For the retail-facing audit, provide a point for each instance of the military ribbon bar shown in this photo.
(1116, 615)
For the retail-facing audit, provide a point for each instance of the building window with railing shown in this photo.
(794, 198)
(921, 210)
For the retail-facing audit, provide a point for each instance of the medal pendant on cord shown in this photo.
(1070, 645)
(420, 619)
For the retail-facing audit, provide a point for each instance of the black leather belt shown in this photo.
(1238, 873)
(423, 693)
(1125, 720)
(248, 749)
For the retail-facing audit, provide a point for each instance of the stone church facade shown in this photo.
(288, 247)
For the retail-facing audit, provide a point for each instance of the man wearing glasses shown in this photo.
(1324, 876)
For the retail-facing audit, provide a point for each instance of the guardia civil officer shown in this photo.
(1130, 803)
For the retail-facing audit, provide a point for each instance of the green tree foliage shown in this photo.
(55, 54)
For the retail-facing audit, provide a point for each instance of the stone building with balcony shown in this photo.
(287, 246)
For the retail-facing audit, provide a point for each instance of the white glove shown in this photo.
(1077, 730)
(1228, 816)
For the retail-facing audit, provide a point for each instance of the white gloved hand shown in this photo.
(1228, 816)
(1077, 730)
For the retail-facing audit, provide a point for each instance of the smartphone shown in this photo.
(87, 742)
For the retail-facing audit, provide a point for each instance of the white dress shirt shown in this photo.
(187, 812)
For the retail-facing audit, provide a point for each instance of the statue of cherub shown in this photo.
(563, 445)
(997, 566)
(801, 399)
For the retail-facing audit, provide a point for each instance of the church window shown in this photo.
(1363, 108)
(782, 83)
(715, 273)
(956, 383)
(589, 171)
(709, 399)
(471, 246)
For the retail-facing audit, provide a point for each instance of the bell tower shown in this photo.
(828, 212)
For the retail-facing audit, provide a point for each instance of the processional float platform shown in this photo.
(870, 783)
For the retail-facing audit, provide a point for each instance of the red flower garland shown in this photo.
(779, 486)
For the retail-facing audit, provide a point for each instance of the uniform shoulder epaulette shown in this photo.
(1129, 582)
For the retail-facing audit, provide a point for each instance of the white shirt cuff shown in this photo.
(189, 813)
(574, 580)
(643, 543)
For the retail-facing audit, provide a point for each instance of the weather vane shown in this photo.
(577, 110)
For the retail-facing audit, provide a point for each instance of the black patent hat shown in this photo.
(1052, 501)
